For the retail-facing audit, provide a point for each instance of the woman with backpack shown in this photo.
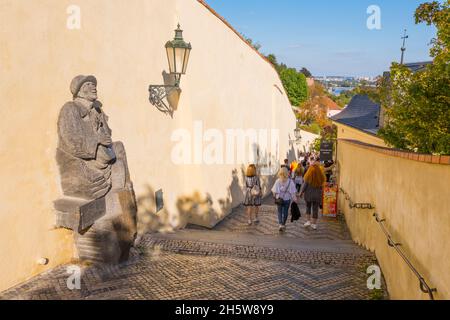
(284, 192)
(253, 194)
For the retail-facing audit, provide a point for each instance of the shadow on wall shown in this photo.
(199, 210)
(198, 207)
(291, 154)
(150, 221)
(174, 96)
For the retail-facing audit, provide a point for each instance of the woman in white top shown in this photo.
(285, 190)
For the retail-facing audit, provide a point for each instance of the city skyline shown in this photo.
(331, 38)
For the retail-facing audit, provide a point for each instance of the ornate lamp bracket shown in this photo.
(158, 93)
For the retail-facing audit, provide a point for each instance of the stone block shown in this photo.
(78, 214)
(109, 239)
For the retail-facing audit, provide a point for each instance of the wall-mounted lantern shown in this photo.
(178, 52)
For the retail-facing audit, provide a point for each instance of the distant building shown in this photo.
(417, 66)
(333, 111)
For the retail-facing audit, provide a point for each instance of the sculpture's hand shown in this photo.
(104, 139)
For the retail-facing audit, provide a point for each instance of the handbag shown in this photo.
(279, 201)
(295, 212)
(255, 190)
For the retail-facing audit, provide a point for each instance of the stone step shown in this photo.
(281, 242)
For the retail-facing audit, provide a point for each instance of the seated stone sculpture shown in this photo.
(86, 153)
(100, 203)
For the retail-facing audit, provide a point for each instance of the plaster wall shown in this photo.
(228, 85)
(414, 198)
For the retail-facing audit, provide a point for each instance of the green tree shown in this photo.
(316, 144)
(273, 59)
(306, 72)
(417, 105)
(278, 66)
(255, 45)
(295, 85)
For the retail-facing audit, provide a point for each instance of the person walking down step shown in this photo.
(312, 190)
(284, 192)
(298, 177)
(253, 194)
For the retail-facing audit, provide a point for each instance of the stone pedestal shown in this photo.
(104, 229)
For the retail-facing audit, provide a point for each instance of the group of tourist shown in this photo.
(303, 179)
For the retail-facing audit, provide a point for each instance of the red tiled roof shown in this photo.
(331, 105)
(325, 102)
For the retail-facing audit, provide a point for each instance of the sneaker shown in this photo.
(249, 222)
(307, 224)
(256, 220)
(314, 226)
(280, 228)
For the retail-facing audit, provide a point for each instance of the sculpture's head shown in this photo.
(84, 87)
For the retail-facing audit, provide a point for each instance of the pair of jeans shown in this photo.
(283, 212)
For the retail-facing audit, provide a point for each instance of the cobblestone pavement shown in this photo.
(163, 275)
(233, 261)
(328, 228)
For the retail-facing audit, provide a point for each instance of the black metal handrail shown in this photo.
(356, 205)
(424, 287)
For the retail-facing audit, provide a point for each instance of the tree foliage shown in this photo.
(307, 114)
(313, 113)
(306, 72)
(295, 85)
(316, 145)
(417, 105)
(294, 81)
(252, 43)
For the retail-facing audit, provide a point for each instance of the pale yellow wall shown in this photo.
(346, 132)
(228, 85)
(414, 198)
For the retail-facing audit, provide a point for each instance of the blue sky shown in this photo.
(330, 37)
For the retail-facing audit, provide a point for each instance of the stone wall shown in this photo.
(227, 86)
(411, 193)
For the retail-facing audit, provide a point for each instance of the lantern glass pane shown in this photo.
(179, 59)
(171, 59)
(186, 60)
